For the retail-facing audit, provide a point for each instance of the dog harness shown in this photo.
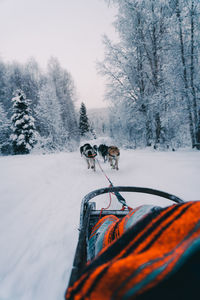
(91, 156)
(114, 155)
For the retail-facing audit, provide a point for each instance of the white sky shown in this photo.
(70, 30)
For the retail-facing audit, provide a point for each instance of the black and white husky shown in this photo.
(89, 153)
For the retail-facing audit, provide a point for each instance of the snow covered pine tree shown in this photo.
(83, 121)
(24, 133)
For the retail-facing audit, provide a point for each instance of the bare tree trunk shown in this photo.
(144, 106)
(198, 132)
(193, 91)
(153, 59)
(158, 128)
(186, 85)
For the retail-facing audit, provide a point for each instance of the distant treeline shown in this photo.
(50, 97)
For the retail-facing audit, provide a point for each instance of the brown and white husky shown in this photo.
(113, 157)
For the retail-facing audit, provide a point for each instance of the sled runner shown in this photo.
(89, 216)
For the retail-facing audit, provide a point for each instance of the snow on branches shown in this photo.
(24, 135)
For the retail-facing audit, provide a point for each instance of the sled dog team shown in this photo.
(108, 153)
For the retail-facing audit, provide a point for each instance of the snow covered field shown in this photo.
(40, 206)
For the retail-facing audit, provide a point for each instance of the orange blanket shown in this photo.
(158, 257)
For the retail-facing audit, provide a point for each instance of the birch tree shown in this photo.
(152, 72)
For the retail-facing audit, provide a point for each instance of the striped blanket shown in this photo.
(154, 257)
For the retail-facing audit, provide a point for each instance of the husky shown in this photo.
(89, 153)
(103, 151)
(113, 157)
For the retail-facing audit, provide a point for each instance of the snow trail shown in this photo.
(40, 207)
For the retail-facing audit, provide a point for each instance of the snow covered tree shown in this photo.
(188, 34)
(52, 97)
(152, 72)
(3, 85)
(4, 131)
(48, 116)
(83, 120)
(24, 133)
(65, 93)
(92, 130)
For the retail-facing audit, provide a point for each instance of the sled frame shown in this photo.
(89, 216)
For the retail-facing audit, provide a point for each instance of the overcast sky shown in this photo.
(70, 30)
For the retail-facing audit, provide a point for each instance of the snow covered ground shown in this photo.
(40, 206)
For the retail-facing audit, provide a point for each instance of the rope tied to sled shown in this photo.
(119, 197)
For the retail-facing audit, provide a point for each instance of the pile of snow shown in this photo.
(40, 206)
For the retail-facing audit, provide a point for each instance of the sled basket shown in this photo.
(89, 216)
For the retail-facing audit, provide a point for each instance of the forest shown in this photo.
(153, 86)
(37, 109)
(153, 73)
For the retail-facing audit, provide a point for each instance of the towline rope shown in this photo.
(117, 194)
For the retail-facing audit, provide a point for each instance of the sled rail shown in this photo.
(132, 189)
